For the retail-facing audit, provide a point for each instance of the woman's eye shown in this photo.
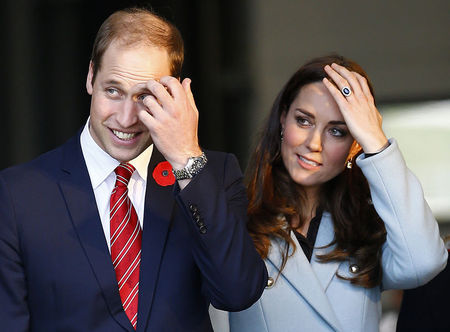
(303, 121)
(338, 132)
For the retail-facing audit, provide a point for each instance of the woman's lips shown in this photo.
(308, 163)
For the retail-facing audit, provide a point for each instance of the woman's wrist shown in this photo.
(384, 147)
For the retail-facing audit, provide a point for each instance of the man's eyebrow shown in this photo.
(113, 82)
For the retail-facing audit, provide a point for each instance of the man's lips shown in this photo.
(124, 136)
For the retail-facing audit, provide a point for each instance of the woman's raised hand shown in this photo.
(357, 107)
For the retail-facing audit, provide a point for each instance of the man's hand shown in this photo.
(172, 119)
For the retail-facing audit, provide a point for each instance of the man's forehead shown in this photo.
(134, 64)
(144, 52)
(117, 46)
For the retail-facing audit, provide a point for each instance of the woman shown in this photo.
(334, 211)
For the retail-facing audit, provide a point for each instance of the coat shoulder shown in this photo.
(45, 165)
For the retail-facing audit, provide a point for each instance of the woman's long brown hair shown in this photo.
(274, 198)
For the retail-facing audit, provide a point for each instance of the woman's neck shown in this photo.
(308, 211)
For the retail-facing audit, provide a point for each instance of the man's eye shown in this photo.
(142, 96)
(111, 91)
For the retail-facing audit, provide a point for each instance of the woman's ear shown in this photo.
(283, 119)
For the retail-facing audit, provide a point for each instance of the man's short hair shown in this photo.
(139, 25)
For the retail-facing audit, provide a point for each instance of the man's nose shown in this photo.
(127, 115)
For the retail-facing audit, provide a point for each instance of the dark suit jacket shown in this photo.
(55, 268)
(427, 308)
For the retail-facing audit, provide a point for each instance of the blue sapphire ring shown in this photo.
(346, 91)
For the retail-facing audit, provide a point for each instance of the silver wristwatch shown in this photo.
(192, 168)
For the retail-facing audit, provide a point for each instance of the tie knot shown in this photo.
(124, 172)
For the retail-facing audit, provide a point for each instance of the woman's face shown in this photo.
(316, 139)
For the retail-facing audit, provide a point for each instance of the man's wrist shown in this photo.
(194, 165)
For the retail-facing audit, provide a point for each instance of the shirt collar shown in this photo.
(100, 164)
(141, 162)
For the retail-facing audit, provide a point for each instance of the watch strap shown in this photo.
(192, 168)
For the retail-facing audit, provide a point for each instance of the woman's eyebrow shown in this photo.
(337, 122)
(333, 122)
(301, 110)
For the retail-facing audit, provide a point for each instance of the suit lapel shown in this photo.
(77, 190)
(158, 210)
(324, 271)
(299, 273)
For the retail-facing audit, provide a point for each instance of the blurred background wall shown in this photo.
(239, 53)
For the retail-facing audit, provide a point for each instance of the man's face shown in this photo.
(116, 97)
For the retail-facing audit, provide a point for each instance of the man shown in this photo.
(425, 308)
(99, 234)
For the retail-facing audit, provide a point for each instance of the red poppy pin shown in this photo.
(163, 174)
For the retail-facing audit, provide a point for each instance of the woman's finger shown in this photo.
(365, 87)
(336, 94)
(344, 78)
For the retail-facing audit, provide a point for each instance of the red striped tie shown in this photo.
(126, 238)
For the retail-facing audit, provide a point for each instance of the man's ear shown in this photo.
(90, 75)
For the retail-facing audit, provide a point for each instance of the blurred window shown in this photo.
(423, 133)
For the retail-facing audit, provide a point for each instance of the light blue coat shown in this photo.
(310, 297)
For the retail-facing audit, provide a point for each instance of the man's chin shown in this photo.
(125, 155)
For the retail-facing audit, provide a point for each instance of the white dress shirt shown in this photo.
(101, 167)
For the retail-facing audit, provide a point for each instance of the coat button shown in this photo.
(270, 282)
(193, 207)
(354, 268)
(203, 229)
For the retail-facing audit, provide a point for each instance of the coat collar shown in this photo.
(80, 199)
(77, 190)
(324, 271)
(159, 204)
(309, 280)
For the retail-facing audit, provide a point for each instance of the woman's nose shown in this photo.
(315, 141)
